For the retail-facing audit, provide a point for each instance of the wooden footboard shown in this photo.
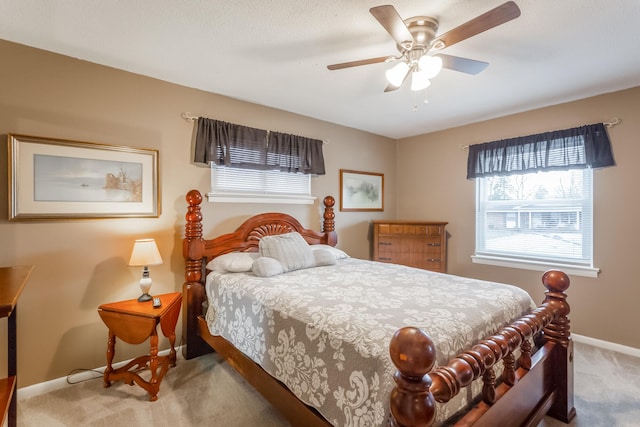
(530, 389)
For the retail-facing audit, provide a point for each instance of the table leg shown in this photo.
(111, 350)
(172, 352)
(12, 365)
(153, 366)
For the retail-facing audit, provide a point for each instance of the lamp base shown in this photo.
(144, 297)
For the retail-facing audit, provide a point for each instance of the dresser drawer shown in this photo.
(389, 229)
(403, 229)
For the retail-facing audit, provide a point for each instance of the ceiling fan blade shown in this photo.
(464, 65)
(389, 18)
(360, 62)
(391, 87)
(497, 16)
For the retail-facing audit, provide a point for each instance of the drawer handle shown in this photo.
(384, 259)
(433, 244)
(434, 260)
(386, 243)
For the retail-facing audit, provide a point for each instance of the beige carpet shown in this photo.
(207, 392)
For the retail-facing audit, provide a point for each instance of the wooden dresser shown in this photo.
(420, 244)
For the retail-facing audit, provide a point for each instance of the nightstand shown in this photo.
(133, 322)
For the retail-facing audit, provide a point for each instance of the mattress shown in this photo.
(325, 331)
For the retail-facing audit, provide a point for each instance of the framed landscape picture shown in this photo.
(361, 191)
(61, 179)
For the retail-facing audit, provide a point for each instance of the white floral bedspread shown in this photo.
(325, 331)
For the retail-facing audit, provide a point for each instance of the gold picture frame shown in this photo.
(61, 179)
(361, 191)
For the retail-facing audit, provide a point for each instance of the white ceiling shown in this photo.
(275, 53)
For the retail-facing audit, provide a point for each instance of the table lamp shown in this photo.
(145, 253)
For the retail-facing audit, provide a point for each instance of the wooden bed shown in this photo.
(538, 383)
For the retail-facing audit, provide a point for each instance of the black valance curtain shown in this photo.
(577, 148)
(237, 146)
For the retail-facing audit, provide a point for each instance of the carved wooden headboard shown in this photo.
(198, 251)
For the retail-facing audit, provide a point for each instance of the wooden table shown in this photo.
(133, 322)
(12, 282)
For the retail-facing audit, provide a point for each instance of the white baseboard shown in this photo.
(631, 351)
(72, 379)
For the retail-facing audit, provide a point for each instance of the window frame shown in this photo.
(536, 262)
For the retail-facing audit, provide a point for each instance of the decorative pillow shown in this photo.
(337, 253)
(233, 262)
(266, 267)
(290, 249)
(323, 257)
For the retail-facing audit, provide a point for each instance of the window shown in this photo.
(534, 198)
(256, 165)
(248, 185)
(543, 218)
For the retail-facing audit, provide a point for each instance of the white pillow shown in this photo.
(266, 267)
(233, 262)
(290, 249)
(323, 257)
(337, 253)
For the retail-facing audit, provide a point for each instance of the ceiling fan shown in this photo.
(417, 38)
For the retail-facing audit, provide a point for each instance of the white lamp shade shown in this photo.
(145, 252)
(396, 74)
(431, 65)
(419, 80)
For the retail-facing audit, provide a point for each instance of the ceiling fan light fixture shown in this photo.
(419, 80)
(397, 73)
(431, 65)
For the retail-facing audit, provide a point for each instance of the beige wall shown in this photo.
(432, 184)
(81, 264)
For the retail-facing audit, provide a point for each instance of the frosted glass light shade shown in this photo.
(419, 80)
(396, 74)
(431, 65)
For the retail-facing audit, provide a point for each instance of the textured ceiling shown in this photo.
(275, 53)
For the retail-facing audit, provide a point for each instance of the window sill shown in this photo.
(260, 198)
(571, 270)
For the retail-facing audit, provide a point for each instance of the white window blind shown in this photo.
(249, 185)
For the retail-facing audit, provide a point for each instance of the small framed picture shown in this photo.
(61, 179)
(361, 191)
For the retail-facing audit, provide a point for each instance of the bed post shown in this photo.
(329, 223)
(411, 402)
(559, 331)
(193, 289)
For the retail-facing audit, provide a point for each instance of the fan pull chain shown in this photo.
(415, 99)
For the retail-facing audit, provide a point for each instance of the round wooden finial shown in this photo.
(194, 197)
(412, 351)
(556, 281)
(329, 201)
